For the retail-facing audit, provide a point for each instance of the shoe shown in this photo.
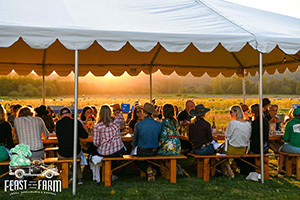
(70, 180)
(150, 174)
(114, 177)
(230, 173)
(80, 181)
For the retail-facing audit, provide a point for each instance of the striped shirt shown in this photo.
(29, 130)
(107, 138)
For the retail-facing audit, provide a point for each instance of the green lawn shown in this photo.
(131, 186)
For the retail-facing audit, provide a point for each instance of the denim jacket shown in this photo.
(147, 133)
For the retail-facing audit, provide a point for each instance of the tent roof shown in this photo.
(199, 36)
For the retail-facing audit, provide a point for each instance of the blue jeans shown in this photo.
(206, 151)
(287, 148)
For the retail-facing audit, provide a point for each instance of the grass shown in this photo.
(131, 186)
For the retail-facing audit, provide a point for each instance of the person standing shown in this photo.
(65, 136)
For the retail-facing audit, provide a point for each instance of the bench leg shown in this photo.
(168, 171)
(199, 168)
(288, 166)
(103, 171)
(173, 171)
(107, 181)
(298, 168)
(266, 168)
(257, 163)
(214, 169)
(206, 170)
(65, 175)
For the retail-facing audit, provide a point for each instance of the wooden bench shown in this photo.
(170, 162)
(51, 151)
(206, 164)
(290, 159)
(64, 164)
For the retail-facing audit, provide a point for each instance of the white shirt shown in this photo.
(237, 134)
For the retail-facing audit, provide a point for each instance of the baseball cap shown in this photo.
(64, 110)
(296, 112)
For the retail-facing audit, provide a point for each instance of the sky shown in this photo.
(284, 7)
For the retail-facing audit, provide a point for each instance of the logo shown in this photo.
(32, 176)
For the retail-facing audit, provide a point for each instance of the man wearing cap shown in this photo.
(291, 138)
(146, 137)
(65, 135)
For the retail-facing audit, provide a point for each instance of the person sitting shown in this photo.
(184, 115)
(13, 113)
(266, 105)
(200, 134)
(94, 113)
(51, 111)
(245, 109)
(129, 115)
(118, 111)
(29, 130)
(255, 132)
(6, 140)
(107, 137)
(291, 138)
(43, 113)
(289, 116)
(237, 136)
(274, 121)
(65, 136)
(85, 116)
(169, 141)
(137, 116)
(146, 139)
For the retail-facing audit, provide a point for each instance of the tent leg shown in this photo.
(75, 123)
(261, 119)
(43, 87)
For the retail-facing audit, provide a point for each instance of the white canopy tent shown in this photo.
(195, 36)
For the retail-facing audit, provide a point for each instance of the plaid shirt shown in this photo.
(107, 138)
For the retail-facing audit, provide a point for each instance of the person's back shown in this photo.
(147, 132)
(65, 132)
(292, 132)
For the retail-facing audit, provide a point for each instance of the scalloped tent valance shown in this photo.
(211, 36)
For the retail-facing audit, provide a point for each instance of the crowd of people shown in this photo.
(155, 130)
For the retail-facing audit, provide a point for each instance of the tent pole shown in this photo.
(43, 86)
(75, 122)
(150, 83)
(261, 119)
(244, 88)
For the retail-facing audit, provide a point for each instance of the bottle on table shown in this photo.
(213, 127)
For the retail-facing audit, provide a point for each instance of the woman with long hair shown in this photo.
(85, 115)
(29, 130)
(6, 140)
(136, 117)
(107, 134)
(237, 135)
(169, 141)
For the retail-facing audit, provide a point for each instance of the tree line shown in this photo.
(32, 87)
